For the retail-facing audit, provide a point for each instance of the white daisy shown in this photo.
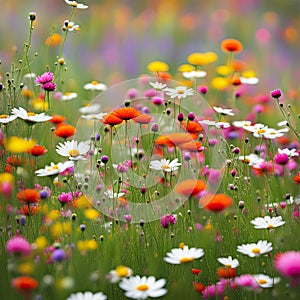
(110, 194)
(90, 109)
(96, 117)
(70, 26)
(165, 165)
(76, 4)
(183, 255)
(73, 149)
(229, 262)
(265, 281)
(95, 86)
(179, 92)
(87, 296)
(289, 152)
(267, 222)
(29, 76)
(68, 96)
(241, 124)
(30, 117)
(272, 133)
(223, 111)
(282, 123)
(194, 74)
(254, 250)
(4, 119)
(214, 123)
(251, 159)
(54, 169)
(137, 287)
(158, 85)
(249, 80)
(119, 273)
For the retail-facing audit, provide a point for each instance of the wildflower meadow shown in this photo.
(149, 150)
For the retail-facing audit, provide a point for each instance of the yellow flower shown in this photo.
(41, 243)
(91, 213)
(219, 83)
(26, 268)
(202, 58)
(39, 104)
(53, 215)
(157, 66)
(18, 145)
(83, 202)
(224, 70)
(6, 178)
(92, 245)
(249, 74)
(60, 229)
(87, 245)
(186, 68)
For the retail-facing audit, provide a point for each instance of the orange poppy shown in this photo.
(174, 139)
(53, 40)
(231, 45)
(24, 283)
(297, 178)
(238, 66)
(283, 140)
(126, 113)
(38, 150)
(32, 210)
(57, 119)
(216, 203)
(190, 187)
(192, 127)
(142, 119)
(225, 272)
(111, 120)
(64, 130)
(199, 287)
(190, 146)
(236, 81)
(28, 196)
(14, 160)
(165, 76)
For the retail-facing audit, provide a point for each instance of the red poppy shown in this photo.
(190, 187)
(126, 113)
(14, 160)
(165, 76)
(192, 127)
(38, 150)
(297, 178)
(24, 284)
(231, 45)
(65, 130)
(196, 271)
(111, 120)
(190, 146)
(199, 287)
(236, 81)
(57, 119)
(174, 139)
(28, 196)
(142, 119)
(32, 210)
(216, 203)
(226, 272)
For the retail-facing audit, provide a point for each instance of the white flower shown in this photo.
(265, 281)
(249, 80)
(229, 262)
(165, 165)
(95, 86)
(96, 117)
(267, 222)
(288, 152)
(183, 255)
(73, 149)
(282, 123)
(254, 250)
(241, 124)
(194, 74)
(252, 159)
(76, 4)
(179, 92)
(4, 119)
(110, 194)
(68, 96)
(214, 123)
(70, 26)
(137, 287)
(223, 111)
(119, 273)
(90, 109)
(54, 169)
(158, 85)
(30, 117)
(272, 133)
(87, 296)
(29, 76)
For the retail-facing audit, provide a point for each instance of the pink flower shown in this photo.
(49, 86)
(44, 78)
(167, 220)
(246, 281)
(18, 246)
(213, 290)
(64, 198)
(281, 158)
(288, 264)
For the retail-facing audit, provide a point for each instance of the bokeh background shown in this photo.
(119, 38)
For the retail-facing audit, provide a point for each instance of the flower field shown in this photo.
(149, 150)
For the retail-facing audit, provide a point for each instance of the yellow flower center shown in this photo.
(165, 167)
(122, 271)
(3, 116)
(260, 131)
(55, 167)
(30, 114)
(94, 82)
(270, 226)
(180, 92)
(74, 152)
(255, 250)
(186, 259)
(68, 93)
(74, 4)
(262, 281)
(181, 245)
(142, 287)
(228, 265)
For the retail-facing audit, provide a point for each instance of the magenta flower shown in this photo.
(246, 281)
(281, 158)
(49, 86)
(167, 220)
(64, 198)
(276, 93)
(288, 264)
(44, 78)
(18, 246)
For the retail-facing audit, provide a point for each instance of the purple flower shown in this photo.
(128, 218)
(58, 255)
(276, 93)
(281, 158)
(44, 78)
(64, 198)
(167, 220)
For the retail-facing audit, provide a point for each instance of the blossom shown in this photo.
(64, 198)
(289, 152)
(158, 85)
(247, 281)
(179, 92)
(241, 124)
(95, 86)
(28, 196)
(30, 117)
(251, 159)
(190, 187)
(231, 45)
(75, 4)
(54, 169)
(165, 165)
(194, 74)
(254, 250)
(229, 262)
(65, 130)
(157, 66)
(90, 109)
(267, 222)
(4, 119)
(137, 287)
(288, 264)
(216, 203)
(126, 113)
(44, 78)
(24, 284)
(87, 296)
(276, 93)
(183, 255)
(15, 144)
(223, 111)
(37, 150)
(168, 219)
(119, 273)
(73, 149)
(265, 281)
(49, 86)
(70, 26)
(58, 255)
(18, 246)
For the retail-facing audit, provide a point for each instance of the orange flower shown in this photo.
(190, 187)
(297, 178)
(199, 287)
(225, 272)
(126, 113)
(64, 130)
(57, 119)
(28, 196)
(190, 146)
(32, 210)
(216, 203)
(174, 139)
(165, 76)
(37, 150)
(53, 40)
(238, 66)
(111, 120)
(14, 160)
(196, 271)
(24, 284)
(192, 127)
(142, 119)
(236, 81)
(231, 45)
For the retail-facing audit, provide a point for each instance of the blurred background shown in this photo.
(119, 38)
